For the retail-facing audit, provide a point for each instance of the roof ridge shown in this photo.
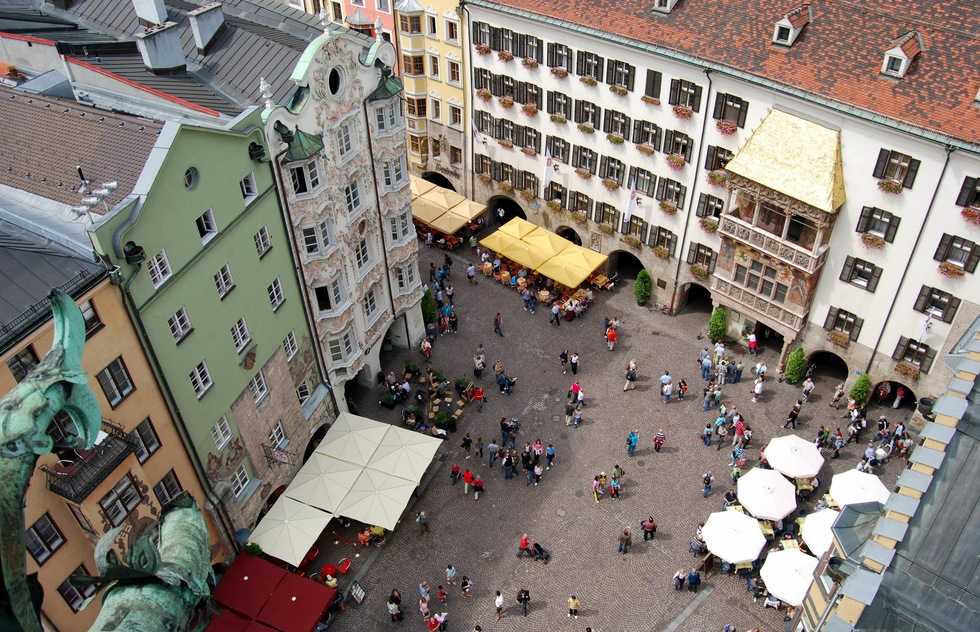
(69, 106)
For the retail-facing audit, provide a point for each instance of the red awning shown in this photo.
(255, 626)
(297, 604)
(227, 621)
(247, 585)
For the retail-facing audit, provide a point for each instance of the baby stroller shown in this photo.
(540, 553)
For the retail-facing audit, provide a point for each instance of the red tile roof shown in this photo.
(839, 56)
(799, 16)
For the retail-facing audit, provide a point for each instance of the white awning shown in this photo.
(323, 481)
(289, 530)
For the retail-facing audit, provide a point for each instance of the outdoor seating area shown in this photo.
(442, 216)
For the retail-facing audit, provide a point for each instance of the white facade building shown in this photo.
(872, 273)
(341, 160)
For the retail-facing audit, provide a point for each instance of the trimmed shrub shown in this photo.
(718, 324)
(861, 391)
(430, 313)
(795, 366)
(642, 287)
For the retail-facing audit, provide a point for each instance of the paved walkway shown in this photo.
(619, 593)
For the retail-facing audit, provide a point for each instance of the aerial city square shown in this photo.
(489, 315)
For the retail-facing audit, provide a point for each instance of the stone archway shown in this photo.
(570, 234)
(438, 179)
(624, 264)
(828, 365)
(314, 441)
(503, 209)
(693, 298)
(886, 391)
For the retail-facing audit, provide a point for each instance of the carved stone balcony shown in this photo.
(77, 477)
(763, 241)
(761, 305)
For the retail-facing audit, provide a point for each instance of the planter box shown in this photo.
(586, 128)
(668, 207)
(529, 151)
(839, 338)
(950, 270)
(907, 369)
(558, 119)
(485, 179)
(971, 214)
(553, 205)
(620, 90)
(505, 55)
(615, 139)
(718, 177)
(676, 161)
(484, 94)
(505, 186)
(588, 80)
(661, 252)
(503, 142)
(645, 149)
(727, 128)
(709, 225)
(683, 112)
(872, 241)
(482, 49)
(650, 100)
(529, 62)
(583, 173)
(506, 102)
(610, 184)
(530, 109)
(606, 228)
(700, 271)
(527, 195)
(632, 241)
(580, 217)
(561, 73)
(890, 186)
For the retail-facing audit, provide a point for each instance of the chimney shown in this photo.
(150, 12)
(160, 48)
(205, 23)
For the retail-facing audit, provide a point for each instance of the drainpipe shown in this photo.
(468, 173)
(227, 528)
(690, 202)
(915, 246)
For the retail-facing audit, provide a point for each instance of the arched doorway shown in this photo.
(693, 298)
(438, 179)
(503, 209)
(570, 234)
(886, 392)
(624, 264)
(314, 441)
(829, 366)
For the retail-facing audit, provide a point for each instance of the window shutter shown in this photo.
(709, 162)
(864, 219)
(712, 262)
(692, 250)
(847, 270)
(578, 111)
(927, 360)
(476, 32)
(552, 56)
(697, 99)
(743, 112)
(652, 88)
(943, 250)
(611, 72)
(575, 154)
(910, 174)
(922, 299)
(598, 67)
(497, 85)
(881, 164)
(539, 50)
(672, 244)
(519, 44)
(630, 77)
(702, 209)
(496, 37)
(607, 122)
(893, 222)
(900, 348)
(950, 312)
(655, 141)
(520, 92)
(969, 186)
(681, 197)
(627, 125)
(596, 116)
(675, 91)
(719, 112)
(971, 260)
(660, 188)
(624, 224)
(580, 61)
(875, 277)
(856, 329)
(551, 101)
(668, 140)
(603, 166)
(828, 324)
(520, 135)
(687, 149)
(638, 132)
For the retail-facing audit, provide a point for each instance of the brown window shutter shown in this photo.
(856, 329)
(692, 250)
(697, 99)
(875, 277)
(942, 251)
(672, 246)
(900, 349)
(847, 270)
(893, 222)
(828, 324)
(675, 91)
(864, 219)
(922, 299)
(966, 191)
(950, 312)
(881, 164)
(719, 112)
(911, 173)
(702, 209)
(743, 112)
(971, 260)
(927, 360)
(709, 161)
(660, 188)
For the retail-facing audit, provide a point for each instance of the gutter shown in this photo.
(468, 172)
(851, 110)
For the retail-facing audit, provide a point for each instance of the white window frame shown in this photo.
(435, 109)
(263, 241)
(180, 324)
(274, 292)
(343, 347)
(224, 282)
(207, 228)
(289, 345)
(258, 387)
(449, 73)
(380, 8)
(401, 227)
(369, 303)
(200, 378)
(240, 334)
(345, 140)
(406, 278)
(277, 436)
(221, 432)
(362, 260)
(455, 110)
(167, 493)
(434, 66)
(248, 188)
(48, 548)
(431, 25)
(303, 392)
(240, 480)
(158, 267)
(380, 119)
(116, 377)
(352, 196)
(453, 23)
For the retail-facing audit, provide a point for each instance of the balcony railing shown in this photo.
(766, 242)
(77, 477)
(759, 304)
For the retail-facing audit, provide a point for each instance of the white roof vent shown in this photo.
(150, 11)
(789, 28)
(205, 22)
(664, 6)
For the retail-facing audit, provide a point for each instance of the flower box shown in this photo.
(559, 72)
(872, 241)
(620, 90)
(610, 184)
(503, 142)
(727, 128)
(718, 177)
(505, 186)
(632, 241)
(890, 186)
(606, 228)
(485, 178)
(554, 205)
(529, 62)
(907, 369)
(505, 55)
(527, 195)
(558, 119)
(484, 94)
(529, 151)
(506, 102)
(700, 271)
(683, 112)
(588, 80)
(585, 128)
(839, 338)
(950, 270)
(668, 207)
(580, 217)
(709, 224)
(650, 100)
(676, 161)
(615, 139)
(482, 49)
(583, 173)
(662, 252)
(645, 149)
(530, 109)
(971, 214)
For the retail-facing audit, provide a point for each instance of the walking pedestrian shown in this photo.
(707, 479)
(498, 603)
(467, 444)
(555, 315)
(706, 434)
(479, 362)
(478, 487)
(632, 440)
(549, 455)
(838, 394)
(466, 585)
(573, 606)
(679, 578)
(563, 358)
(569, 411)
(573, 362)
(471, 274)
(649, 528)
(631, 375)
(596, 489)
(808, 386)
(468, 479)
(757, 390)
(577, 417)
(612, 336)
(625, 541)
(524, 598)
(423, 521)
(479, 447)
(693, 580)
(498, 325)
(706, 368)
(524, 546)
(492, 450)
(450, 575)
(794, 413)
(442, 595)
(658, 440)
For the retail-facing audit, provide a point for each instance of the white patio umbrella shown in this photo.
(404, 453)
(353, 438)
(377, 498)
(289, 530)
(793, 456)
(788, 574)
(853, 486)
(816, 530)
(323, 481)
(766, 494)
(733, 536)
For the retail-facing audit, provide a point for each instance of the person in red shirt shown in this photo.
(611, 337)
(468, 479)
(454, 473)
(524, 546)
(478, 487)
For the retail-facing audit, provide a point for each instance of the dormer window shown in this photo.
(898, 58)
(664, 6)
(789, 28)
(894, 66)
(782, 34)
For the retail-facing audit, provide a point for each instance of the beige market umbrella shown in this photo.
(816, 530)
(788, 574)
(853, 487)
(793, 456)
(420, 186)
(377, 499)
(404, 453)
(289, 530)
(323, 481)
(733, 536)
(470, 209)
(518, 227)
(766, 494)
(442, 198)
(353, 438)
